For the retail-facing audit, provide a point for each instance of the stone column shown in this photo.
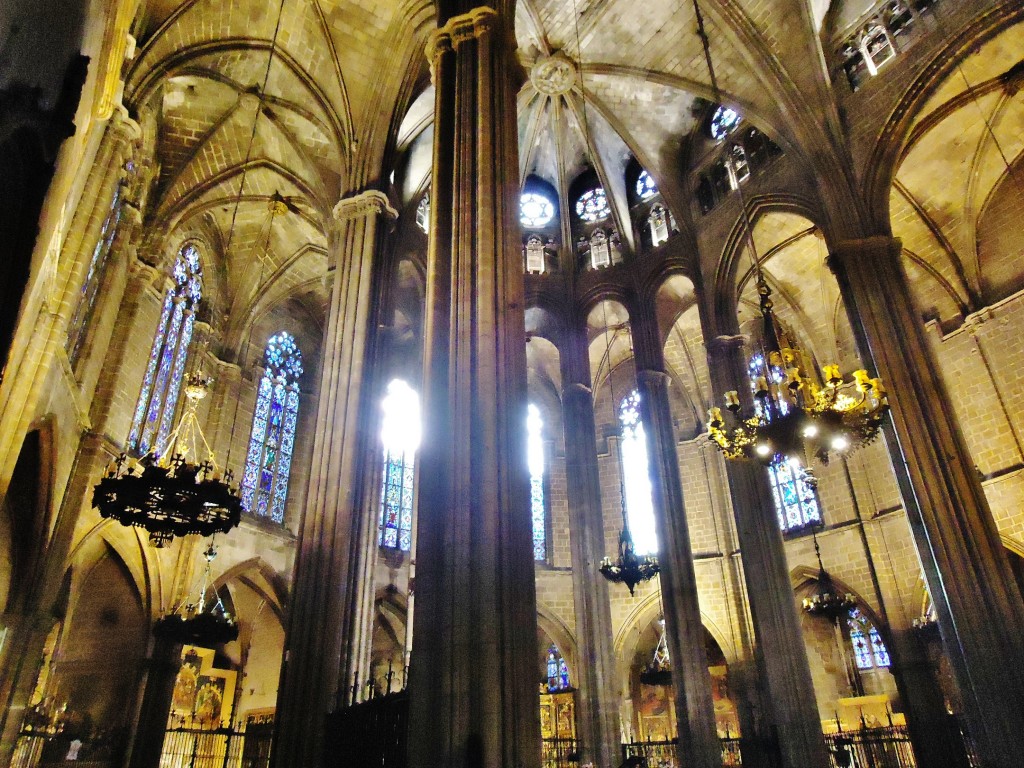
(475, 662)
(335, 540)
(976, 598)
(699, 744)
(597, 704)
(790, 706)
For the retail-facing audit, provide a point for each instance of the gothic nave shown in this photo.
(464, 287)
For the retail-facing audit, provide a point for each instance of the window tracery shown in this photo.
(645, 186)
(558, 671)
(592, 206)
(636, 477)
(161, 384)
(796, 502)
(658, 224)
(423, 214)
(869, 651)
(723, 122)
(400, 434)
(878, 40)
(272, 439)
(535, 210)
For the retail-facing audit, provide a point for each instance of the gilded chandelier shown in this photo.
(793, 413)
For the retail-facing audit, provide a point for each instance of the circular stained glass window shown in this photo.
(645, 186)
(723, 122)
(535, 210)
(593, 205)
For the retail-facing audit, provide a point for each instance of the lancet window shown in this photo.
(161, 383)
(400, 434)
(869, 651)
(535, 460)
(636, 477)
(272, 440)
(558, 671)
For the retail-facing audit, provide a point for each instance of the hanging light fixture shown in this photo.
(630, 568)
(659, 670)
(202, 619)
(178, 492)
(827, 600)
(796, 409)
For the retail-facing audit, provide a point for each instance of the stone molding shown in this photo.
(576, 388)
(467, 26)
(726, 343)
(873, 247)
(652, 377)
(367, 203)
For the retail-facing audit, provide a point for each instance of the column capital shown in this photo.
(466, 26)
(366, 203)
(726, 344)
(865, 248)
(125, 128)
(576, 388)
(651, 377)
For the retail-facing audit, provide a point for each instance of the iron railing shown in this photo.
(218, 748)
(38, 749)
(370, 734)
(559, 753)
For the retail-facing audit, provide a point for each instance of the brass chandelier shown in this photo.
(794, 411)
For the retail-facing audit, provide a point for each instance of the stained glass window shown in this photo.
(645, 186)
(94, 278)
(796, 503)
(161, 383)
(558, 671)
(535, 459)
(593, 205)
(535, 210)
(400, 434)
(869, 649)
(636, 477)
(272, 440)
(723, 122)
(423, 213)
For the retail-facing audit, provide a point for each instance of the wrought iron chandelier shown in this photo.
(659, 670)
(203, 620)
(176, 492)
(827, 600)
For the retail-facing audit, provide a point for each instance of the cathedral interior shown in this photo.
(461, 285)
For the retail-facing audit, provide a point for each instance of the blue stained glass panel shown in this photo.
(177, 374)
(272, 439)
(881, 653)
(535, 461)
(400, 435)
(156, 403)
(147, 381)
(636, 477)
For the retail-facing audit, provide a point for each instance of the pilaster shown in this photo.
(334, 538)
(976, 598)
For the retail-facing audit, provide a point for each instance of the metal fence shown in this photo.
(371, 734)
(887, 747)
(38, 749)
(220, 748)
(559, 753)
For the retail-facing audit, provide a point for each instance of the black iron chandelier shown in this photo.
(630, 568)
(202, 620)
(176, 492)
(827, 601)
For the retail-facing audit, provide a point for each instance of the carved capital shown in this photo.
(721, 346)
(126, 130)
(467, 26)
(368, 203)
(653, 378)
(577, 389)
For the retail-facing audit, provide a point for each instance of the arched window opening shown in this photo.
(869, 649)
(535, 460)
(400, 434)
(558, 671)
(600, 250)
(636, 477)
(796, 502)
(534, 254)
(78, 329)
(739, 168)
(161, 384)
(592, 205)
(645, 186)
(272, 440)
(423, 213)
(658, 223)
(535, 210)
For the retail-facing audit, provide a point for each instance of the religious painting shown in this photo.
(203, 694)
